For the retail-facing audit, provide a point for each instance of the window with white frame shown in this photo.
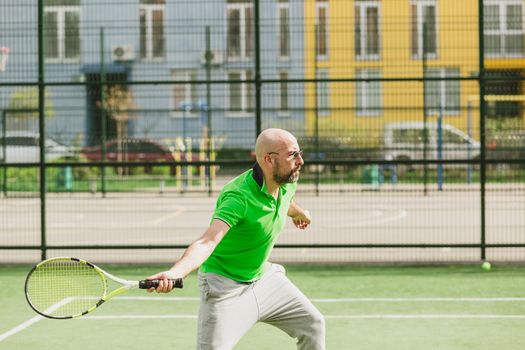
(442, 96)
(284, 107)
(241, 99)
(323, 92)
(185, 95)
(62, 31)
(369, 95)
(367, 38)
(321, 25)
(284, 29)
(424, 28)
(152, 39)
(503, 28)
(239, 29)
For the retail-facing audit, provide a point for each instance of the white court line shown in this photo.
(401, 213)
(328, 317)
(379, 216)
(417, 300)
(159, 298)
(138, 317)
(177, 212)
(428, 316)
(34, 320)
(352, 300)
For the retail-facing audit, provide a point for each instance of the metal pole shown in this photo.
(482, 174)
(469, 145)
(440, 148)
(316, 110)
(208, 109)
(258, 85)
(425, 128)
(42, 129)
(103, 125)
(4, 145)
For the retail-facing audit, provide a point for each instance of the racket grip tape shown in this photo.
(147, 284)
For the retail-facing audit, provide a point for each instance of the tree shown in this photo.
(22, 110)
(118, 104)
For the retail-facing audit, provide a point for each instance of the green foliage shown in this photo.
(25, 101)
(161, 171)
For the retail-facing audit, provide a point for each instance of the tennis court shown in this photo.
(120, 122)
(358, 217)
(458, 307)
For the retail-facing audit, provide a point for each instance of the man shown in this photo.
(238, 286)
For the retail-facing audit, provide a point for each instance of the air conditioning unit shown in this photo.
(215, 58)
(122, 53)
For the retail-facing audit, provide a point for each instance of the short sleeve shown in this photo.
(230, 208)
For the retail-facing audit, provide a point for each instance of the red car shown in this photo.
(130, 150)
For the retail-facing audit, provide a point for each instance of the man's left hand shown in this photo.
(302, 220)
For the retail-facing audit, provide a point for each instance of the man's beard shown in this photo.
(287, 178)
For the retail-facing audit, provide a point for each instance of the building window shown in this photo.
(369, 94)
(503, 28)
(239, 31)
(185, 95)
(284, 108)
(321, 25)
(284, 29)
(241, 99)
(152, 40)
(367, 29)
(442, 96)
(424, 30)
(505, 84)
(62, 31)
(323, 92)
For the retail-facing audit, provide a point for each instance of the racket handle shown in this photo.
(147, 284)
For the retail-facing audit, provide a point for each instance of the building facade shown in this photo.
(155, 51)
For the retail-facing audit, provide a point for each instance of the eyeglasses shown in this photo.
(291, 156)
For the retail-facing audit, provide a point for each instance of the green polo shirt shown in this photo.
(255, 219)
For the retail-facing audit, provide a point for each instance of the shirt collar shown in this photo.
(258, 176)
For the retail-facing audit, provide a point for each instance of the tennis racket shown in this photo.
(62, 288)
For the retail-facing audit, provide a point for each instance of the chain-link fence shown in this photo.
(122, 120)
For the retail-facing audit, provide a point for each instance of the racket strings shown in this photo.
(64, 288)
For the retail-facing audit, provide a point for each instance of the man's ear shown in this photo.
(268, 160)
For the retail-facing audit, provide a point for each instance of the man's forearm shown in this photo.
(201, 249)
(294, 210)
(193, 257)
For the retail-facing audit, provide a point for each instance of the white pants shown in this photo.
(229, 309)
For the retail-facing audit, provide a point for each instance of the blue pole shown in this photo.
(469, 145)
(440, 149)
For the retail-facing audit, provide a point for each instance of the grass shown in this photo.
(360, 321)
(83, 179)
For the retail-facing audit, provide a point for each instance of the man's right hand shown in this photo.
(165, 281)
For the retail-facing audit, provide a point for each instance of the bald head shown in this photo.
(272, 140)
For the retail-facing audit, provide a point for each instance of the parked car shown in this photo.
(405, 141)
(333, 149)
(24, 147)
(130, 150)
(507, 145)
(139, 150)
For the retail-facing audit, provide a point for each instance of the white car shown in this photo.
(23, 147)
(405, 141)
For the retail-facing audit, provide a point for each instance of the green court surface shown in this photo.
(448, 307)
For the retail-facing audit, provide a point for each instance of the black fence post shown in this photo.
(258, 84)
(483, 165)
(42, 129)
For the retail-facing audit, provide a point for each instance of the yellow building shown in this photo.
(348, 42)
